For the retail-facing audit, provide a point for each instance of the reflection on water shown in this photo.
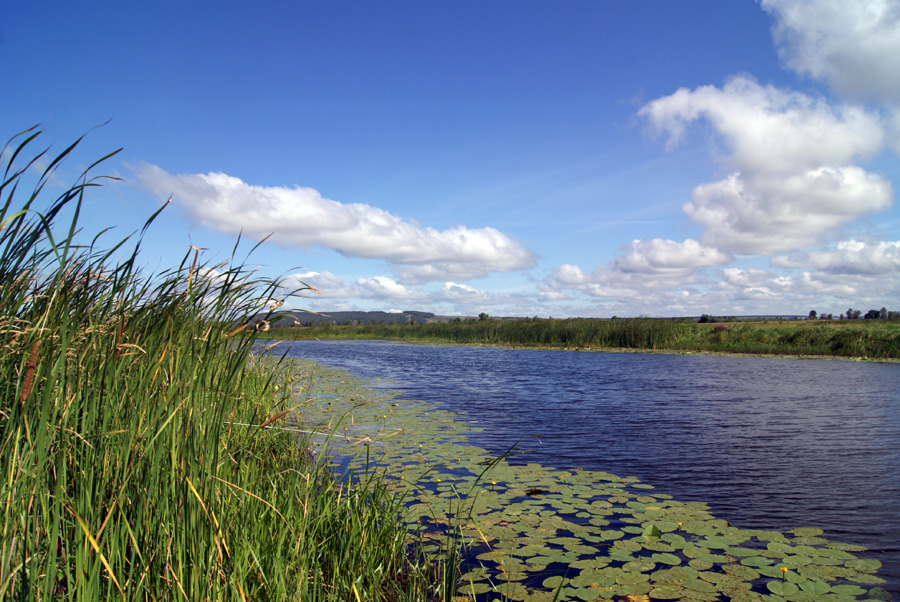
(768, 443)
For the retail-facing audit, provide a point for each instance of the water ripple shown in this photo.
(768, 443)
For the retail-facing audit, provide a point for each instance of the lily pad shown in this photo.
(781, 588)
(866, 565)
(666, 558)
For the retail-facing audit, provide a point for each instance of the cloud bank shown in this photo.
(851, 45)
(793, 175)
(302, 218)
(791, 183)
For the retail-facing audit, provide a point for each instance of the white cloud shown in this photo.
(851, 44)
(439, 270)
(643, 266)
(659, 256)
(301, 217)
(382, 287)
(768, 130)
(791, 184)
(452, 291)
(770, 215)
(327, 285)
(849, 257)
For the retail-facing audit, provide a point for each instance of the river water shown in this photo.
(768, 443)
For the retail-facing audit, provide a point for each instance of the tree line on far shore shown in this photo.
(856, 314)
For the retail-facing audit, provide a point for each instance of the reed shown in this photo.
(127, 469)
(874, 339)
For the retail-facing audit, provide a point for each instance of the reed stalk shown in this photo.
(124, 471)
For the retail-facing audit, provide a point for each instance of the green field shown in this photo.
(868, 339)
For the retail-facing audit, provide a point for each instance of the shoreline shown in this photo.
(635, 350)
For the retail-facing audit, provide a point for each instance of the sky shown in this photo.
(518, 158)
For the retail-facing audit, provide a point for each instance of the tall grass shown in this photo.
(621, 333)
(125, 471)
(878, 339)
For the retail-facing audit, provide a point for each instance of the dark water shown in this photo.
(767, 443)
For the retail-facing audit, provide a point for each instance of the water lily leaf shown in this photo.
(693, 594)
(847, 547)
(783, 589)
(678, 575)
(741, 552)
(700, 565)
(639, 566)
(601, 577)
(756, 561)
(629, 545)
(770, 571)
(550, 559)
(553, 582)
(810, 541)
(656, 545)
(847, 590)
(620, 555)
(768, 535)
(877, 593)
(666, 558)
(866, 579)
(475, 588)
(666, 592)
(795, 561)
(806, 532)
(699, 585)
(866, 565)
(780, 547)
(652, 530)
(742, 572)
(632, 578)
(815, 588)
(673, 539)
(714, 558)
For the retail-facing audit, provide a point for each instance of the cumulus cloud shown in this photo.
(769, 130)
(755, 216)
(644, 265)
(452, 291)
(852, 45)
(336, 293)
(659, 256)
(854, 257)
(301, 217)
(791, 184)
(330, 286)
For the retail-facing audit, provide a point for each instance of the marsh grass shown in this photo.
(874, 339)
(127, 467)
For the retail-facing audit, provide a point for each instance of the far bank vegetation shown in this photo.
(858, 338)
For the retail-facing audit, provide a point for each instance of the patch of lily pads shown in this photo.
(534, 533)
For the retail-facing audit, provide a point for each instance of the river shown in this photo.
(768, 443)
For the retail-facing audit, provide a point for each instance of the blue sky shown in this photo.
(518, 158)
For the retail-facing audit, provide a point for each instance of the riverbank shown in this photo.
(857, 339)
(144, 449)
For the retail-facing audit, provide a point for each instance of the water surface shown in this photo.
(768, 443)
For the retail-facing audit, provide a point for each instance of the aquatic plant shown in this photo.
(144, 452)
(534, 533)
(876, 339)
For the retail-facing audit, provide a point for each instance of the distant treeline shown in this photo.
(848, 338)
